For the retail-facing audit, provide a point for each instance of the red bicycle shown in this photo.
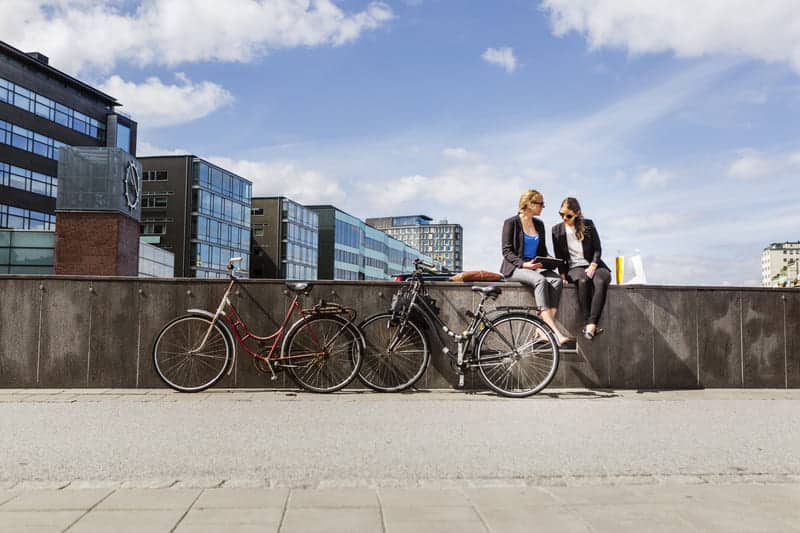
(321, 350)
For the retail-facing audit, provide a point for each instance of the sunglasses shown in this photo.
(566, 215)
(538, 203)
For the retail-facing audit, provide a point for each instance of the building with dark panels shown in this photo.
(285, 239)
(442, 241)
(349, 249)
(198, 211)
(41, 110)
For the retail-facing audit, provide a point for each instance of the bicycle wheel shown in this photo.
(324, 353)
(179, 362)
(395, 357)
(517, 355)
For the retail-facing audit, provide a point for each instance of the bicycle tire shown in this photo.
(517, 355)
(383, 370)
(333, 346)
(180, 365)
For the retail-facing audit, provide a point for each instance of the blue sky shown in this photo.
(675, 123)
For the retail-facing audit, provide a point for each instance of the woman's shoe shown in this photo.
(589, 334)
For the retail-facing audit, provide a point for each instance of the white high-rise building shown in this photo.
(780, 264)
(441, 240)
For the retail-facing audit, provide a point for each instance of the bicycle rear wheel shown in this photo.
(517, 355)
(324, 353)
(181, 364)
(396, 353)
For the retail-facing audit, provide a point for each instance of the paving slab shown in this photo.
(311, 520)
(421, 497)
(269, 517)
(150, 499)
(652, 518)
(546, 519)
(510, 498)
(129, 521)
(56, 500)
(730, 517)
(358, 497)
(37, 520)
(242, 498)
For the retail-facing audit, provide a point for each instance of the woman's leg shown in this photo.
(600, 282)
(541, 293)
(583, 285)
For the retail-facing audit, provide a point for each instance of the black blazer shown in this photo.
(514, 243)
(591, 245)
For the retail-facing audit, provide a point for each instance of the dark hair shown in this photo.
(573, 205)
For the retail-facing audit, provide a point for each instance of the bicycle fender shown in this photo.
(225, 331)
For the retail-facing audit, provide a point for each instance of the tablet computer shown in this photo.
(548, 263)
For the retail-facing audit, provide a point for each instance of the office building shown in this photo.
(285, 239)
(198, 211)
(441, 241)
(780, 264)
(33, 252)
(349, 249)
(41, 110)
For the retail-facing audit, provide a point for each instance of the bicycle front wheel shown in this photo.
(322, 353)
(180, 360)
(396, 353)
(517, 355)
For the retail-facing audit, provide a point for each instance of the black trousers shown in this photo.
(591, 292)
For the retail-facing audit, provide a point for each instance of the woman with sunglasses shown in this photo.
(577, 243)
(523, 240)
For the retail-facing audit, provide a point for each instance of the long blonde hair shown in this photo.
(528, 197)
(573, 205)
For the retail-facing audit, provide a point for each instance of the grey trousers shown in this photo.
(546, 285)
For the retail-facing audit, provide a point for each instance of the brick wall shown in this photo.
(96, 244)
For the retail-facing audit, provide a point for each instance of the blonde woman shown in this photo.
(523, 239)
(577, 243)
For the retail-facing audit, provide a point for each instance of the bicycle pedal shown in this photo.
(461, 380)
(273, 378)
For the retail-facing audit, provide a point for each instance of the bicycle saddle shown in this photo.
(299, 287)
(491, 290)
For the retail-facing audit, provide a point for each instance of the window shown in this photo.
(154, 175)
(257, 211)
(123, 135)
(154, 201)
(258, 230)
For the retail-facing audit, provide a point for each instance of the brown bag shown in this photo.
(477, 275)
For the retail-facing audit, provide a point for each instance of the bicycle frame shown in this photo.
(479, 319)
(240, 333)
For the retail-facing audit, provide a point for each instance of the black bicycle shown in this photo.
(513, 350)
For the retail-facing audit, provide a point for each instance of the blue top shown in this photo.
(531, 245)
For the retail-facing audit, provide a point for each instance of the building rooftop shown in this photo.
(40, 62)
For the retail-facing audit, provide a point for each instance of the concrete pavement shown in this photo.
(567, 460)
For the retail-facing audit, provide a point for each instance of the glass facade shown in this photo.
(220, 220)
(27, 252)
(364, 252)
(124, 137)
(155, 262)
(299, 241)
(16, 218)
(28, 180)
(443, 242)
(44, 107)
(29, 141)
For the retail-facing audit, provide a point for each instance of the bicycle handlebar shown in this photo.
(424, 266)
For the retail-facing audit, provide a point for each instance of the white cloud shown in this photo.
(460, 154)
(283, 178)
(146, 149)
(156, 104)
(753, 164)
(503, 57)
(768, 31)
(652, 178)
(81, 35)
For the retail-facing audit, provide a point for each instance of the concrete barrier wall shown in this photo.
(63, 332)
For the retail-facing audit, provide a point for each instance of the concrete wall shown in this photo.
(98, 332)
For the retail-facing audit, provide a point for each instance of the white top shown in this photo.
(575, 246)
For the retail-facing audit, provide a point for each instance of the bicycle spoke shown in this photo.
(396, 354)
(177, 361)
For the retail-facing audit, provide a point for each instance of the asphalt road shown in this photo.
(357, 437)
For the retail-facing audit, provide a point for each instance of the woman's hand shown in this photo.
(590, 270)
(530, 265)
